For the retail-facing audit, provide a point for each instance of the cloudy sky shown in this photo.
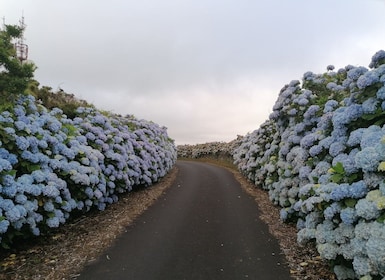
(208, 70)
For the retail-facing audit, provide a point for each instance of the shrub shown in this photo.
(52, 166)
(321, 156)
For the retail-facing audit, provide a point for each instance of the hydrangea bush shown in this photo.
(321, 156)
(210, 149)
(53, 167)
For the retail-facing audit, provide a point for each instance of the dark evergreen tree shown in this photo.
(15, 74)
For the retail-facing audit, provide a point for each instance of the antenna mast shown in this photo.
(21, 48)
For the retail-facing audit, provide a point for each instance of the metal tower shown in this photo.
(20, 47)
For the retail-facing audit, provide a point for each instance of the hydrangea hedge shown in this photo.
(210, 149)
(52, 167)
(321, 157)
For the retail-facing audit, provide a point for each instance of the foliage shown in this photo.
(321, 156)
(211, 149)
(53, 167)
(14, 75)
(68, 103)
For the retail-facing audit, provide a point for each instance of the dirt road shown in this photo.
(203, 227)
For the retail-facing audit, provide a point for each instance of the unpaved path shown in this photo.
(203, 227)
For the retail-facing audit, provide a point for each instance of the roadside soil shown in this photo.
(62, 254)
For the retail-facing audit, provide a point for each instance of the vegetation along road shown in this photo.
(203, 227)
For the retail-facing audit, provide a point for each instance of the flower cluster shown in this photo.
(321, 156)
(211, 149)
(52, 166)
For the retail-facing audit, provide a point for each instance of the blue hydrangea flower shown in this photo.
(377, 59)
(330, 105)
(348, 215)
(336, 148)
(353, 112)
(341, 192)
(368, 159)
(5, 165)
(292, 112)
(371, 137)
(4, 224)
(311, 111)
(21, 199)
(362, 265)
(366, 209)
(304, 172)
(305, 235)
(315, 150)
(343, 272)
(355, 72)
(54, 125)
(308, 140)
(355, 190)
(355, 137)
(328, 251)
(369, 106)
(326, 142)
(381, 93)
(13, 214)
(27, 155)
(53, 222)
(49, 206)
(376, 251)
(50, 191)
(368, 79)
(38, 176)
(347, 161)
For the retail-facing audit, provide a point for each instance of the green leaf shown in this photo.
(352, 178)
(5, 246)
(339, 168)
(350, 202)
(336, 178)
(12, 172)
(33, 167)
(381, 219)
(51, 215)
(369, 117)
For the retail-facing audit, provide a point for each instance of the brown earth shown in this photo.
(62, 254)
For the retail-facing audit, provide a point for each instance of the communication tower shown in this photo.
(20, 47)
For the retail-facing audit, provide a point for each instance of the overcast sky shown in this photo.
(208, 70)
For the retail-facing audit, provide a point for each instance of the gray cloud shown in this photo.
(208, 70)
